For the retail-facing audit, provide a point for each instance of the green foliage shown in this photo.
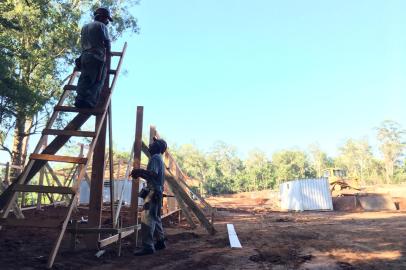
(392, 145)
(38, 39)
(292, 165)
(356, 157)
(319, 160)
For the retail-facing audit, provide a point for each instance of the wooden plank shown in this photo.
(57, 158)
(232, 236)
(43, 189)
(111, 167)
(53, 224)
(136, 164)
(91, 230)
(41, 182)
(77, 110)
(114, 238)
(77, 133)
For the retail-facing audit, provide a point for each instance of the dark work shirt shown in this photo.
(95, 39)
(156, 165)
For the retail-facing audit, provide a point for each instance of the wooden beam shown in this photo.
(97, 178)
(112, 239)
(77, 133)
(183, 196)
(97, 184)
(111, 167)
(74, 109)
(43, 189)
(136, 165)
(186, 212)
(57, 158)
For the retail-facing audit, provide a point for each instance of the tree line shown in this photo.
(38, 42)
(221, 171)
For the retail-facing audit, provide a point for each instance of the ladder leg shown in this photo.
(58, 241)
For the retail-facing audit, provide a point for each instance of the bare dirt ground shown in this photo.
(270, 240)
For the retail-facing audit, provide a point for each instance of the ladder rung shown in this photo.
(73, 109)
(77, 133)
(56, 158)
(43, 189)
(69, 87)
(112, 71)
(116, 53)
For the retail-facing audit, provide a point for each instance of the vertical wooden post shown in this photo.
(111, 169)
(6, 177)
(136, 165)
(41, 178)
(98, 164)
(97, 185)
(77, 172)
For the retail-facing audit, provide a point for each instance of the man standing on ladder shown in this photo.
(151, 222)
(96, 47)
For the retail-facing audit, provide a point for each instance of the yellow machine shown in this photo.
(338, 179)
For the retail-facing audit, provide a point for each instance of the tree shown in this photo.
(291, 165)
(37, 40)
(391, 137)
(356, 157)
(223, 169)
(319, 159)
(259, 172)
(192, 161)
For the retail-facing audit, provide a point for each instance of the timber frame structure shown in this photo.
(96, 153)
(175, 185)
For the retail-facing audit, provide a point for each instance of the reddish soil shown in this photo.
(270, 240)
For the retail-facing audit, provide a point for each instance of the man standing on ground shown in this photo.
(96, 46)
(151, 222)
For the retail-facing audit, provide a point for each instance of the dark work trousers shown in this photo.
(91, 80)
(151, 223)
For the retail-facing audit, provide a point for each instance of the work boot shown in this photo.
(160, 245)
(143, 252)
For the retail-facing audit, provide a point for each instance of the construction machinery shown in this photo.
(339, 181)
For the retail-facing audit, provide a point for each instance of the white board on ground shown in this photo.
(232, 236)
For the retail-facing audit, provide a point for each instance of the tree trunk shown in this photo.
(20, 146)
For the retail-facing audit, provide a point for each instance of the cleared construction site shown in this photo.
(75, 203)
(308, 224)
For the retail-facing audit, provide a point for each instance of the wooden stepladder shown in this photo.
(39, 159)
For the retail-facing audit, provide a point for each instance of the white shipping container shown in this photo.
(306, 194)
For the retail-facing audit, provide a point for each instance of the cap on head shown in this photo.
(161, 143)
(103, 12)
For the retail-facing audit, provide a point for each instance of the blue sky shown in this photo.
(263, 74)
